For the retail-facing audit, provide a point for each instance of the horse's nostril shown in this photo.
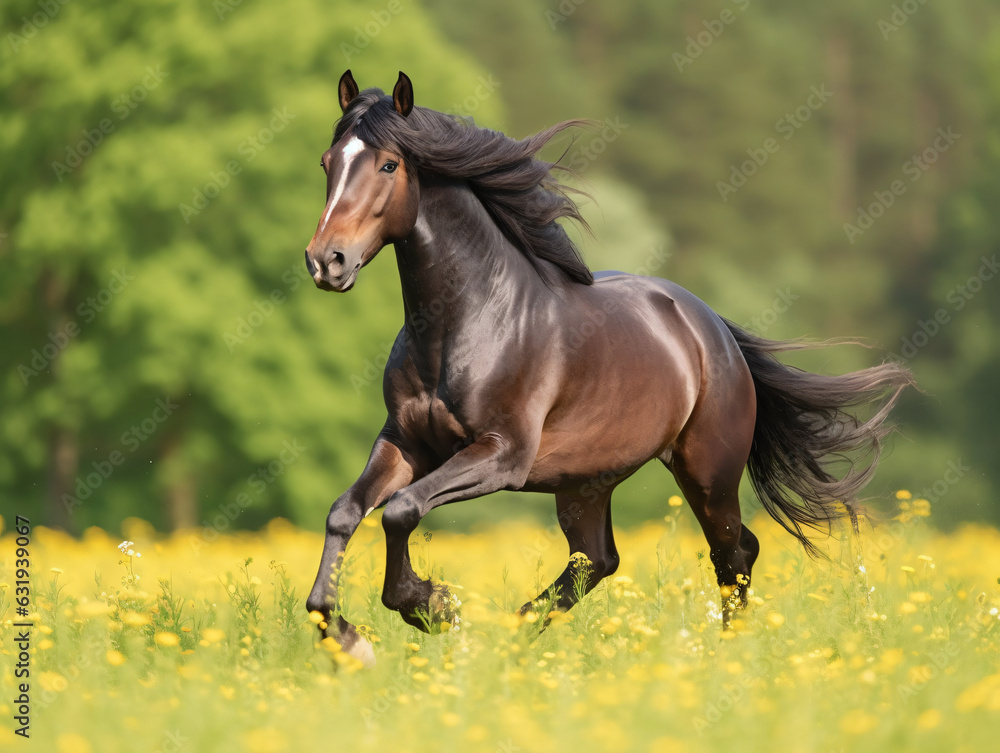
(310, 265)
(337, 258)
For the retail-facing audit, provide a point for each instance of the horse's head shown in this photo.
(371, 198)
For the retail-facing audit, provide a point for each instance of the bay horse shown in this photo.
(517, 368)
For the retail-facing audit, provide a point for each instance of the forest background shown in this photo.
(807, 169)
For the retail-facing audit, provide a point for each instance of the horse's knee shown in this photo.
(402, 514)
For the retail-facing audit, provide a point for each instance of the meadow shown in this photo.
(205, 645)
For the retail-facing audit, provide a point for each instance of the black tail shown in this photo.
(804, 427)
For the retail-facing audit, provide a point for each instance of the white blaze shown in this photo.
(351, 149)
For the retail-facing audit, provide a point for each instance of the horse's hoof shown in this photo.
(348, 643)
(362, 650)
(734, 598)
(445, 609)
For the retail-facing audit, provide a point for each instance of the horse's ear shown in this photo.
(402, 95)
(347, 89)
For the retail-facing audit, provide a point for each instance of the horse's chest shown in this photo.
(426, 421)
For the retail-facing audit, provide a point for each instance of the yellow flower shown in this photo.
(450, 719)
(115, 658)
(134, 619)
(53, 681)
(903, 494)
(166, 640)
(86, 610)
(419, 661)
(675, 501)
(265, 740)
(858, 722)
(69, 742)
(611, 625)
(775, 620)
(476, 733)
(213, 635)
(929, 719)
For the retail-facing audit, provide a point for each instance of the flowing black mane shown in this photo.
(519, 191)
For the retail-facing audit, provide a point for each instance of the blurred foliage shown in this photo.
(166, 354)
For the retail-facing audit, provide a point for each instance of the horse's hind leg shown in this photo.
(708, 468)
(585, 519)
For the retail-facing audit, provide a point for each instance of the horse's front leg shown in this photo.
(485, 466)
(387, 470)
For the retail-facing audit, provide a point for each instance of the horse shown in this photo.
(518, 368)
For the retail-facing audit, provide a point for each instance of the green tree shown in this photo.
(166, 353)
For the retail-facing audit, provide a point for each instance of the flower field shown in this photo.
(198, 645)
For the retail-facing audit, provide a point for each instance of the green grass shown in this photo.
(211, 649)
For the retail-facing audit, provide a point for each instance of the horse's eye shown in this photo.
(389, 167)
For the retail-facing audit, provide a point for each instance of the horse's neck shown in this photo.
(457, 267)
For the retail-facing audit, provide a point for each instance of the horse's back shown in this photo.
(680, 308)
